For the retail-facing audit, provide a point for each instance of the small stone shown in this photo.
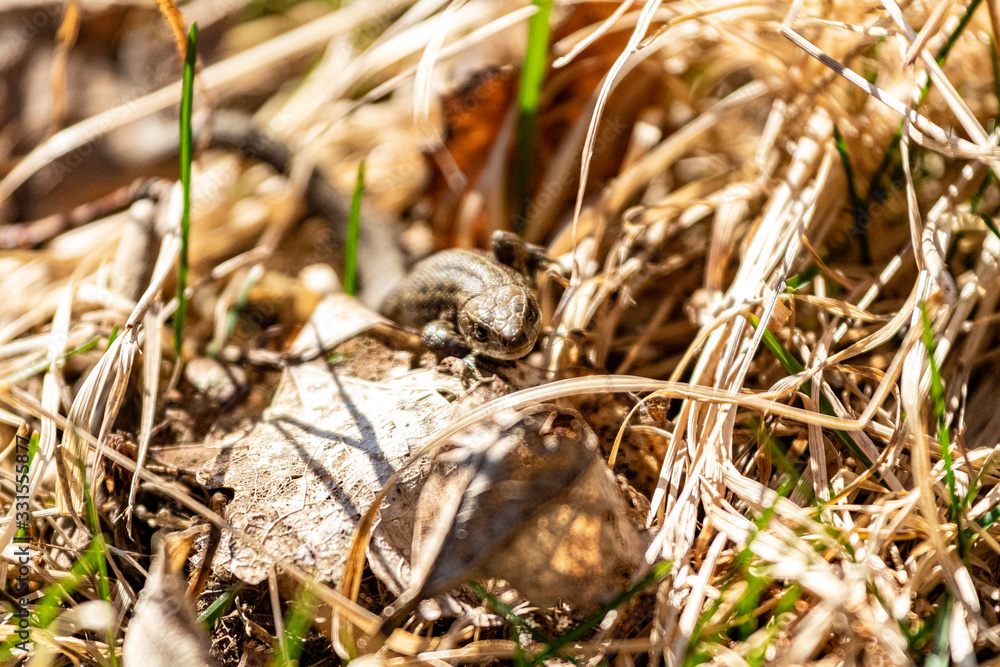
(220, 383)
(320, 279)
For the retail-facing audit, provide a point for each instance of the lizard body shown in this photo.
(467, 299)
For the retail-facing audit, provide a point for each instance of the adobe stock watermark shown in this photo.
(43, 19)
(21, 553)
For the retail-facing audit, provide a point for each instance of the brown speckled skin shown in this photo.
(490, 305)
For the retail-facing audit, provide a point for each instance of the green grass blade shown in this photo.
(219, 607)
(950, 44)
(800, 280)
(940, 649)
(532, 75)
(784, 357)
(959, 29)
(937, 399)
(944, 439)
(298, 620)
(32, 447)
(187, 99)
(553, 646)
(103, 587)
(989, 518)
(780, 459)
(990, 225)
(792, 365)
(876, 191)
(47, 609)
(860, 214)
(739, 622)
(655, 575)
(786, 605)
(512, 616)
(756, 584)
(233, 312)
(43, 364)
(112, 337)
(535, 57)
(353, 231)
(977, 199)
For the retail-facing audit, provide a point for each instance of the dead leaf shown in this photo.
(525, 498)
(304, 475)
(471, 118)
(164, 631)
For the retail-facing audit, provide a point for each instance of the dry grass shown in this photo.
(830, 507)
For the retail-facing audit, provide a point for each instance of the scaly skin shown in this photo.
(488, 305)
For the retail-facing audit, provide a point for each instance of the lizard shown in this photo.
(463, 300)
(469, 301)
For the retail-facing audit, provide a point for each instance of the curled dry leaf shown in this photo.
(525, 498)
(165, 632)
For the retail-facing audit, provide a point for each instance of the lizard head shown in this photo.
(501, 323)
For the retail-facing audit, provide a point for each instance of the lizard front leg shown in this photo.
(441, 338)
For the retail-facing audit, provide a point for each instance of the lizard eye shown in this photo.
(531, 315)
(480, 333)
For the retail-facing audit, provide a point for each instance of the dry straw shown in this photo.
(732, 205)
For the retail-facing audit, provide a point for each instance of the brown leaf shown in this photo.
(477, 115)
(473, 118)
(526, 499)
